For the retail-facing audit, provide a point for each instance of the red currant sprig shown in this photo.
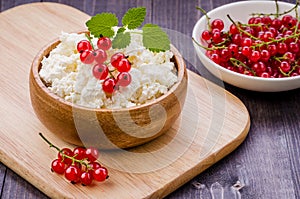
(78, 165)
(98, 57)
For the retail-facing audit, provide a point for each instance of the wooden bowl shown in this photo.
(106, 128)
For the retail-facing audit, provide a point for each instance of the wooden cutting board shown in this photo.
(213, 122)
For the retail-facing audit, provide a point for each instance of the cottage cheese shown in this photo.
(152, 75)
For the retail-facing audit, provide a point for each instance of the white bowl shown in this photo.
(240, 11)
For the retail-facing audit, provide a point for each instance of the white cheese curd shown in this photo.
(152, 74)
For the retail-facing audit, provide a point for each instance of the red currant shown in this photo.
(87, 57)
(100, 56)
(94, 166)
(58, 166)
(285, 66)
(67, 152)
(115, 59)
(246, 51)
(247, 41)
(255, 56)
(265, 55)
(124, 65)
(84, 45)
(100, 174)
(109, 85)
(282, 48)
(79, 153)
(72, 173)
(206, 35)
(265, 75)
(216, 37)
(233, 29)
(217, 23)
(294, 47)
(123, 79)
(92, 154)
(86, 178)
(104, 43)
(215, 58)
(100, 71)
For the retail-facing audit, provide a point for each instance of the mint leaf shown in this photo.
(120, 30)
(102, 24)
(121, 40)
(155, 39)
(134, 17)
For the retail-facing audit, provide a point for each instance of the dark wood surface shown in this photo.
(266, 165)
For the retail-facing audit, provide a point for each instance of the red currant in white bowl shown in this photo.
(251, 45)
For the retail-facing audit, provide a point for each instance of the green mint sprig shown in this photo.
(154, 38)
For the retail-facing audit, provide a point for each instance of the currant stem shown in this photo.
(90, 40)
(241, 30)
(50, 144)
(277, 14)
(207, 17)
(206, 48)
(238, 63)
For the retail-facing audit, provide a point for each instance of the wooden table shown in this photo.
(266, 165)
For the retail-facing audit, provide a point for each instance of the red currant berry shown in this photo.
(100, 56)
(233, 48)
(265, 55)
(294, 47)
(217, 23)
(282, 48)
(109, 85)
(225, 55)
(124, 65)
(289, 56)
(100, 71)
(94, 166)
(272, 49)
(216, 37)
(246, 51)
(286, 19)
(246, 41)
(115, 59)
(104, 43)
(255, 56)
(100, 174)
(233, 29)
(86, 178)
(206, 35)
(265, 75)
(236, 39)
(92, 154)
(267, 36)
(285, 66)
(266, 20)
(276, 23)
(72, 173)
(87, 57)
(67, 152)
(58, 166)
(79, 153)
(84, 45)
(123, 79)
(215, 58)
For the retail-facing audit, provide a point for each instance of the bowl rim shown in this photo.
(35, 65)
(196, 37)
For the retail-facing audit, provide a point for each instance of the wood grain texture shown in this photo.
(275, 123)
